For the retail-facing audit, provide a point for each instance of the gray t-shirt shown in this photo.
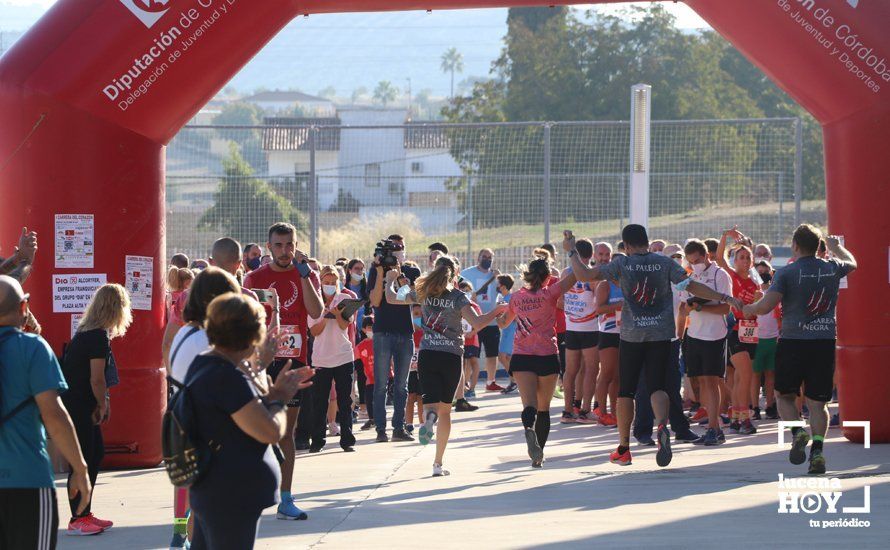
(809, 288)
(442, 329)
(645, 281)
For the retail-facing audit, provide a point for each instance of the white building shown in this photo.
(372, 160)
(282, 102)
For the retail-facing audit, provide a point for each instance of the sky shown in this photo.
(686, 18)
(346, 52)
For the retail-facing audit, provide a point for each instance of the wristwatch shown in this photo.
(572, 252)
(279, 405)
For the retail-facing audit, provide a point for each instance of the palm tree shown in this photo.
(358, 93)
(452, 61)
(385, 92)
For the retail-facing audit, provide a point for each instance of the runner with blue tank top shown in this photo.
(609, 299)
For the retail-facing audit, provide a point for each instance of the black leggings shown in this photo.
(92, 447)
(342, 379)
(226, 530)
(361, 380)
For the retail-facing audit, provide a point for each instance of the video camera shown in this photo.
(384, 252)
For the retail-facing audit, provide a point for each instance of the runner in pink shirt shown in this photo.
(535, 361)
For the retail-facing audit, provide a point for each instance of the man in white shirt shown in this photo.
(705, 341)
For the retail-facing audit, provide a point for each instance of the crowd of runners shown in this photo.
(280, 352)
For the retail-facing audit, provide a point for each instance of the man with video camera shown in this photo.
(393, 337)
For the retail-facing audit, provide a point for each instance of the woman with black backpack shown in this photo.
(240, 416)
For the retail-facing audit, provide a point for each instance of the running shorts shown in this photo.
(809, 362)
(438, 373)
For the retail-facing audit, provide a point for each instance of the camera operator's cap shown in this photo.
(672, 250)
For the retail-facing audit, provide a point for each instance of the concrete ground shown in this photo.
(383, 495)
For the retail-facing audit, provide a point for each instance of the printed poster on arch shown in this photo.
(74, 235)
(140, 272)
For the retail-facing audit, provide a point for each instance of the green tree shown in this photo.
(245, 206)
(385, 92)
(329, 92)
(452, 62)
(239, 113)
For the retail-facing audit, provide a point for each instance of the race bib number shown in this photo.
(748, 331)
(292, 342)
(413, 366)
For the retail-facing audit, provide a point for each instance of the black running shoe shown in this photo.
(401, 435)
(664, 455)
(535, 452)
(382, 438)
(817, 463)
(798, 453)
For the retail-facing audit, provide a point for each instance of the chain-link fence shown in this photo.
(509, 187)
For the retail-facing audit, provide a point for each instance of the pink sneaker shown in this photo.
(103, 523)
(586, 418)
(82, 527)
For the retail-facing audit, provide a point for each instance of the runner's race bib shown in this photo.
(748, 331)
(292, 343)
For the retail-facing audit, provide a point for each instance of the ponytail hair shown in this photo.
(536, 273)
(177, 277)
(435, 283)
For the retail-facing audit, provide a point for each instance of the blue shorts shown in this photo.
(507, 336)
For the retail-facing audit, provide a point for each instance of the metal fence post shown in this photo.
(781, 230)
(469, 218)
(313, 194)
(798, 169)
(547, 181)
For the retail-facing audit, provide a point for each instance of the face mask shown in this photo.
(766, 277)
(369, 334)
(403, 292)
(469, 295)
(698, 268)
(253, 263)
(400, 256)
(329, 290)
(758, 259)
(416, 322)
(485, 264)
(357, 277)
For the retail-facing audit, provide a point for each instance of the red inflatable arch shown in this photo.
(90, 96)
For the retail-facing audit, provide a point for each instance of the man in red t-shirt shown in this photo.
(298, 295)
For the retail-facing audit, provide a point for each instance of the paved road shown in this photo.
(382, 496)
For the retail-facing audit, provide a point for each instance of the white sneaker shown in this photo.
(334, 429)
(439, 471)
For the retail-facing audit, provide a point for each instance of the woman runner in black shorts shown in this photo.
(439, 361)
(535, 361)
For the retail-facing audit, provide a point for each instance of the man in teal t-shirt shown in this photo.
(30, 382)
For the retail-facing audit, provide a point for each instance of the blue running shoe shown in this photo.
(288, 510)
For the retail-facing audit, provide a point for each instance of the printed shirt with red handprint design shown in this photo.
(809, 289)
(645, 281)
(290, 301)
(535, 320)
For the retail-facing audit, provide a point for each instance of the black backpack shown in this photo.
(21, 406)
(186, 455)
